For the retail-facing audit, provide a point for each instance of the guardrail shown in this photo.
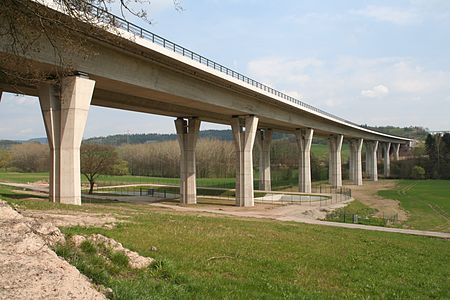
(118, 22)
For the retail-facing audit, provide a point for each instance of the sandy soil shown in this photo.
(367, 194)
(63, 218)
(29, 269)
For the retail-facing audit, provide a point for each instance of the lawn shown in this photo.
(364, 215)
(213, 257)
(225, 258)
(426, 201)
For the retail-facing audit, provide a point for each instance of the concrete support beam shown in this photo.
(65, 110)
(371, 160)
(396, 152)
(187, 132)
(304, 140)
(355, 161)
(387, 159)
(244, 132)
(335, 168)
(263, 141)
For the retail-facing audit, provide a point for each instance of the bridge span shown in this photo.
(131, 68)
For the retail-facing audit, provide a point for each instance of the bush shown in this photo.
(418, 172)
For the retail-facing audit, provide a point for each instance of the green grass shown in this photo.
(365, 215)
(426, 201)
(225, 258)
(202, 257)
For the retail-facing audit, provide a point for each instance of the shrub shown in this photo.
(418, 172)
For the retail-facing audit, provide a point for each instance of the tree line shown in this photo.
(430, 160)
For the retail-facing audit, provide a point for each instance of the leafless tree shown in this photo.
(25, 24)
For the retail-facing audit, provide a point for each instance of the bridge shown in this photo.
(133, 69)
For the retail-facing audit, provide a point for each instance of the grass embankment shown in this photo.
(203, 257)
(426, 201)
(224, 258)
(358, 213)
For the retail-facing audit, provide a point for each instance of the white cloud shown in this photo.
(272, 69)
(399, 16)
(377, 91)
(340, 85)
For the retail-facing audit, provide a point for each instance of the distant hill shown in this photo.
(414, 132)
(8, 143)
(120, 139)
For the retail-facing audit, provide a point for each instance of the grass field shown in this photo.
(426, 201)
(365, 215)
(212, 257)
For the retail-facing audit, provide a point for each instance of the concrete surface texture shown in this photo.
(304, 140)
(372, 160)
(244, 133)
(187, 132)
(335, 165)
(65, 111)
(263, 142)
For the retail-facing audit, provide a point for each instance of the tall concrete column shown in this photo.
(244, 132)
(304, 140)
(355, 161)
(387, 159)
(65, 109)
(187, 132)
(335, 168)
(372, 160)
(263, 141)
(396, 151)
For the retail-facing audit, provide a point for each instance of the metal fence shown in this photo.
(320, 196)
(362, 218)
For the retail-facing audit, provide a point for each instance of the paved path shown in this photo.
(261, 215)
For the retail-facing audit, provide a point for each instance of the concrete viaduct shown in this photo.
(133, 69)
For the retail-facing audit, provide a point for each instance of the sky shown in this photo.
(371, 62)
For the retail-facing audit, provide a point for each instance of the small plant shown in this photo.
(119, 259)
(88, 247)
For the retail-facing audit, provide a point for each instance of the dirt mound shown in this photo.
(29, 268)
(135, 261)
(367, 194)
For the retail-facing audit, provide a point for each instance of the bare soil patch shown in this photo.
(367, 194)
(30, 269)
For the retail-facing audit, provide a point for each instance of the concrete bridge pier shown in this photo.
(387, 159)
(187, 132)
(304, 140)
(396, 151)
(372, 160)
(335, 166)
(65, 109)
(263, 141)
(355, 161)
(244, 132)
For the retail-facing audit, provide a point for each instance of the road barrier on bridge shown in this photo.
(108, 18)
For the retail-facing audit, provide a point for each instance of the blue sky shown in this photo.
(372, 62)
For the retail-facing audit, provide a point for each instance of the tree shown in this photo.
(29, 157)
(98, 160)
(5, 158)
(26, 26)
(431, 149)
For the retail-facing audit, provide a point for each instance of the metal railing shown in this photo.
(106, 17)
